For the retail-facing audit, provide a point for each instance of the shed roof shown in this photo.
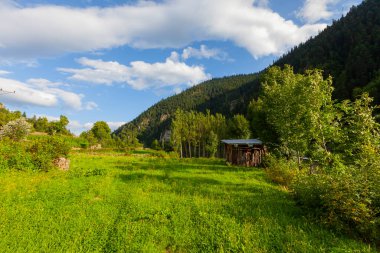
(243, 142)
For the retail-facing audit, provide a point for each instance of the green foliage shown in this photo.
(42, 124)
(101, 130)
(360, 138)
(296, 107)
(259, 125)
(197, 134)
(238, 127)
(341, 138)
(100, 133)
(15, 130)
(36, 155)
(345, 201)
(212, 143)
(13, 156)
(128, 137)
(156, 145)
(280, 170)
(72, 141)
(46, 150)
(84, 145)
(7, 116)
(58, 127)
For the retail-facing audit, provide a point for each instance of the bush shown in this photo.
(14, 156)
(15, 130)
(45, 151)
(280, 171)
(346, 201)
(84, 145)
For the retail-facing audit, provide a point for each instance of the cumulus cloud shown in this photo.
(46, 30)
(203, 53)
(41, 92)
(139, 75)
(316, 10)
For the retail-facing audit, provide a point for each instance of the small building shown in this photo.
(244, 152)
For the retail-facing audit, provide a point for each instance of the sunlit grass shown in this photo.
(139, 204)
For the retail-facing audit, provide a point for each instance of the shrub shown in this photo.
(14, 156)
(84, 145)
(45, 151)
(280, 171)
(347, 201)
(15, 130)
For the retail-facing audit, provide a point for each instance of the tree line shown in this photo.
(197, 134)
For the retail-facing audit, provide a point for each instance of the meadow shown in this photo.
(138, 203)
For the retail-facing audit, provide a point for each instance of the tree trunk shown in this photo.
(181, 150)
(299, 160)
(189, 149)
(185, 148)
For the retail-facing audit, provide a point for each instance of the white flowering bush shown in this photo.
(15, 130)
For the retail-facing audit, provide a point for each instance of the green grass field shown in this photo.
(116, 203)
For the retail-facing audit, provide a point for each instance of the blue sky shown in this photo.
(110, 60)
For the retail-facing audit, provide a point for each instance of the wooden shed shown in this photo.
(244, 152)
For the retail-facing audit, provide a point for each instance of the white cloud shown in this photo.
(88, 125)
(45, 30)
(42, 83)
(40, 92)
(75, 127)
(177, 90)
(90, 106)
(115, 125)
(98, 71)
(316, 10)
(203, 52)
(4, 72)
(139, 75)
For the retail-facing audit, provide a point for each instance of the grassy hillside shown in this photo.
(348, 50)
(115, 203)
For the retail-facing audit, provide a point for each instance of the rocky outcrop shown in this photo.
(62, 163)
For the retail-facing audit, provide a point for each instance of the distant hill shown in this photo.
(349, 50)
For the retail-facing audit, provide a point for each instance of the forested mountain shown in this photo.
(349, 50)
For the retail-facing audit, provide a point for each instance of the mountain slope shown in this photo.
(227, 95)
(349, 50)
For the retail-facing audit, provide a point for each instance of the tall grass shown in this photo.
(141, 204)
